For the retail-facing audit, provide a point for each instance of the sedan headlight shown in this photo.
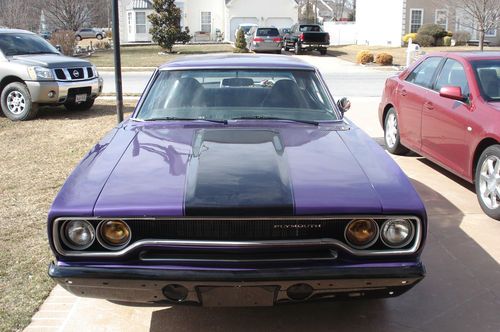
(397, 233)
(78, 234)
(40, 74)
(361, 233)
(114, 234)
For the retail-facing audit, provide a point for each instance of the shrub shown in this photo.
(424, 40)
(406, 38)
(65, 39)
(433, 30)
(364, 57)
(102, 45)
(241, 43)
(449, 34)
(461, 37)
(384, 59)
(447, 41)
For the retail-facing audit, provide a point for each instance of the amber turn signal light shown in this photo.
(361, 233)
(115, 233)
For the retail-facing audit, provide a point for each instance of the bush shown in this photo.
(66, 39)
(449, 34)
(461, 37)
(433, 30)
(241, 43)
(447, 41)
(102, 45)
(406, 38)
(364, 57)
(384, 59)
(424, 40)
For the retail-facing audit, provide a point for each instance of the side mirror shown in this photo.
(344, 104)
(452, 92)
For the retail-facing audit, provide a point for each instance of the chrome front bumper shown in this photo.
(56, 92)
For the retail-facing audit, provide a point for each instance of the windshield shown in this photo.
(488, 76)
(23, 43)
(232, 94)
(271, 32)
(310, 28)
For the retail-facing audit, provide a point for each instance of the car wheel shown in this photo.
(99, 37)
(391, 133)
(322, 51)
(298, 50)
(78, 38)
(71, 106)
(487, 180)
(16, 102)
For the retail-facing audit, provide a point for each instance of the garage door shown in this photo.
(236, 21)
(280, 22)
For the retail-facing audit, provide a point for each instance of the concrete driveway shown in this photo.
(460, 293)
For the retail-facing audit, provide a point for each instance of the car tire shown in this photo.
(487, 181)
(85, 106)
(99, 37)
(78, 38)
(16, 102)
(322, 51)
(391, 133)
(298, 50)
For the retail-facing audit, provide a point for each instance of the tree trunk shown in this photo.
(481, 39)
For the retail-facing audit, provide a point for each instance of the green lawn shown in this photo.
(148, 56)
(37, 156)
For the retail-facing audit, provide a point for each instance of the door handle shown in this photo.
(403, 92)
(429, 105)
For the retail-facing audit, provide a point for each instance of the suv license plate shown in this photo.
(81, 98)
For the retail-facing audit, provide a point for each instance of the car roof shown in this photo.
(240, 61)
(469, 55)
(3, 31)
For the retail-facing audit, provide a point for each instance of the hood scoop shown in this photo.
(238, 172)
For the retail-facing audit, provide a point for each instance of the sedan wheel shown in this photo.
(391, 134)
(488, 181)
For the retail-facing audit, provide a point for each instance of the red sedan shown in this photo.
(446, 107)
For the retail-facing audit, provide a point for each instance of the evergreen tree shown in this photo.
(241, 42)
(166, 25)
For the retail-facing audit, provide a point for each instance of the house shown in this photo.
(204, 17)
(385, 26)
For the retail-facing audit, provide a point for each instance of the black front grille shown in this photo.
(60, 74)
(237, 230)
(90, 73)
(76, 73)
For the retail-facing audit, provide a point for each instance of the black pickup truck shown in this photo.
(306, 37)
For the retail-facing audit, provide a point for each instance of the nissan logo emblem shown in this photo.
(76, 73)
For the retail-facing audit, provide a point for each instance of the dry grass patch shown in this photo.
(147, 56)
(349, 52)
(36, 158)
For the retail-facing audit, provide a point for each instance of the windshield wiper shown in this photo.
(263, 117)
(173, 118)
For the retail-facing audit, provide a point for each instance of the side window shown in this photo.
(423, 74)
(453, 74)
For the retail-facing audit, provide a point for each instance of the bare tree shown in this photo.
(478, 15)
(69, 14)
(20, 14)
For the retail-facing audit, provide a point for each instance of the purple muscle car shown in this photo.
(237, 182)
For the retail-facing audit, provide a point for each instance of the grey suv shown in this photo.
(90, 33)
(33, 73)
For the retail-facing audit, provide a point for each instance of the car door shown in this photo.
(412, 94)
(444, 120)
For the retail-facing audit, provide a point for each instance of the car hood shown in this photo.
(50, 61)
(151, 169)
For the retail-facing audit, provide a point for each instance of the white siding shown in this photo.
(376, 29)
(194, 8)
(342, 33)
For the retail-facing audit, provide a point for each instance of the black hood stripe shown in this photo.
(238, 172)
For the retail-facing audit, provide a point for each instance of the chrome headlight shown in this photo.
(361, 233)
(114, 234)
(78, 234)
(94, 70)
(397, 233)
(40, 74)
